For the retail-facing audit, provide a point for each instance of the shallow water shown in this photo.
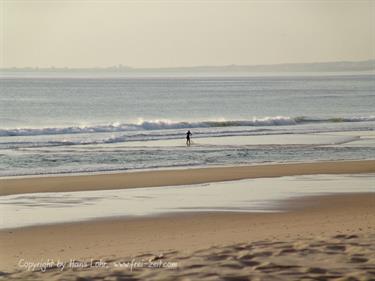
(252, 195)
(214, 151)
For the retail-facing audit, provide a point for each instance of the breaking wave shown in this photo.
(168, 124)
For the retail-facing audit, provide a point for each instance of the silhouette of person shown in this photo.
(188, 134)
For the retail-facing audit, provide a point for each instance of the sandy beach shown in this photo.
(319, 238)
(329, 237)
(177, 177)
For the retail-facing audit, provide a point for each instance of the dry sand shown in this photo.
(320, 238)
(177, 177)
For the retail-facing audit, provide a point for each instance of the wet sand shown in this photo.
(319, 238)
(177, 177)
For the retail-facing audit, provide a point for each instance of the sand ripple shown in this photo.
(341, 257)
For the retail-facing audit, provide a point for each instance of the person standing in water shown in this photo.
(188, 134)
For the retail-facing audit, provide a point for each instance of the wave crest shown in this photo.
(168, 124)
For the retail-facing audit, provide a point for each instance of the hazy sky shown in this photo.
(183, 33)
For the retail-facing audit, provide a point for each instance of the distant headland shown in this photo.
(337, 66)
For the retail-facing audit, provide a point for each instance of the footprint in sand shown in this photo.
(358, 259)
(336, 247)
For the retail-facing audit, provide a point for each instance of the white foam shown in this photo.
(165, 124)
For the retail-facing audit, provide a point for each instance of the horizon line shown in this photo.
(124, 67)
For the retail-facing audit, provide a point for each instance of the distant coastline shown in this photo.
(337, 66)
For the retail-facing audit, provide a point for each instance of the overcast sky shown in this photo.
(183, 33)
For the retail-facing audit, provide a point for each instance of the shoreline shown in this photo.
(175, 177)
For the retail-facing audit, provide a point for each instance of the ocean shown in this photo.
(57, 125)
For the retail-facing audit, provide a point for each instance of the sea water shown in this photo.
(52, 125)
